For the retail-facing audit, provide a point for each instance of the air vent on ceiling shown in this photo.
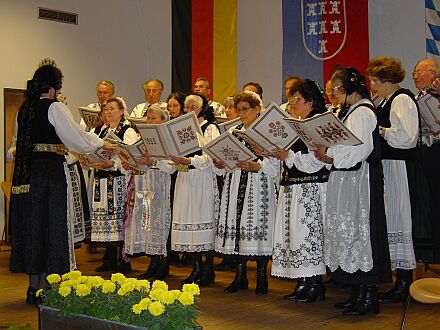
(56, 15)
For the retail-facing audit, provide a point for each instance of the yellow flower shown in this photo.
(186, 298)
(191, 288)
(118, 278)
(144, 303)
(137, 309)
(95, 281)
(167, 297)
(176, 293)
(64, 290)
(65, 276)
(53, 278)
(75, 274)
(127, 286)
(156, 293)
(121, 292)
(83, 279)
(82, 290)
(70, 283)
(143, 284)
(108, 286)
(156, 308)
(39, 292)
(159, 285)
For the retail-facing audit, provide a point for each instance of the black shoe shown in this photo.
(31, 297)
(368, 304)
(262, 283)
(164, 269)
(124, 267)
(355, 297)
(240, 281)
(207, 277)
(400, 291)
(152, 268)
(194, 276)
(314, 289)
(300, 287)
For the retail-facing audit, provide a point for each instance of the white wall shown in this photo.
(259, 46)
(397, 29)
(129, 41)
(126, 42)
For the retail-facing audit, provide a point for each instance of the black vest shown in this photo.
(383, 118)
(46, 131)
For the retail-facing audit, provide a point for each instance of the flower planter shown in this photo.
(49, 319)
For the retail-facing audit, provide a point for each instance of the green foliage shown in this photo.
(125, 300)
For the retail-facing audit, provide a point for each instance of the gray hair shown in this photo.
(164, 114)
(228, 102)
(194, 98)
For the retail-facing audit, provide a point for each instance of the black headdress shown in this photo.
(45, 77)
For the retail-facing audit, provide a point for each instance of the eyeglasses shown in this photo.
(199, 86)
(154, 91)
(295, 99)
(243, 109)
(191, 107)
(337, 88)
(419, 73)
(110, 110)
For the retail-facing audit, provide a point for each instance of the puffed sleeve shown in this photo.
(362, 123)
(404, 120)
(71, 133)
(270, 166)
(306, 163)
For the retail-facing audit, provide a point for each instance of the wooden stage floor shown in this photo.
(240, 311)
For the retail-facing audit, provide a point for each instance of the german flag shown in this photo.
(204, 43)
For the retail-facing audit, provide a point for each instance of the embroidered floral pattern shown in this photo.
(310, 251)
(186, 135)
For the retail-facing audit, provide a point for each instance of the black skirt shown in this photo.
(424, 187)
(39, 221)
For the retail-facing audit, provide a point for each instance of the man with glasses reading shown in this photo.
(203, 87)
(153, 91)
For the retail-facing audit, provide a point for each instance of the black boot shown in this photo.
(164, 269)
(124, 267)
(262, 283)
(208, 274)
(300, 287)
(31, 296)
(314, 289)
(240, 281)
(109, 260)
(194, 277)
(369, 302)
(152, 268)
(355, 297)
(401, 288)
